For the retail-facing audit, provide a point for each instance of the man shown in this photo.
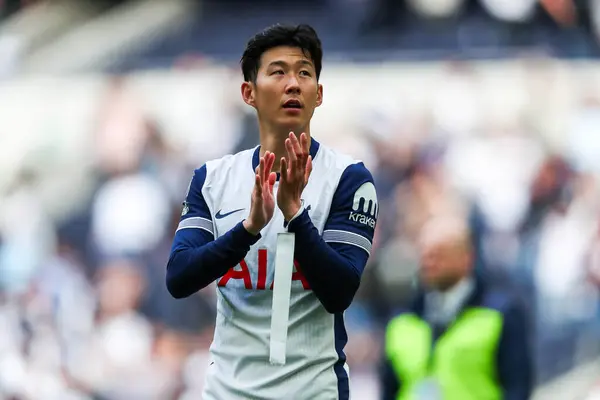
(464, 338)
(233, 212)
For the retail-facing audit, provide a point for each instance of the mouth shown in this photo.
(292, 104)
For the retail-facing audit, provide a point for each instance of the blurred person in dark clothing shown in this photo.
(549, 190)
(10, 7)
(465, 337)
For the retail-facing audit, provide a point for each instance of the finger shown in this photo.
(292, 159)
(283, 170)
(304, 143)
(296, 145)
(261, 169)
(308, 170)
(289, 147)
(267, 173)
(257, 175)
(299, 166)
(272, 179)
(258, 185)
(264, 165)
(269, 165)
(304, 147)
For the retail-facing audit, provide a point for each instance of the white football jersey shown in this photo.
(315, 365)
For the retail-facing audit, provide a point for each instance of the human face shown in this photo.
(445, 259)
(286, 91)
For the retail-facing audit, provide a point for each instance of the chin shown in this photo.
(430, 281)
(293, 124)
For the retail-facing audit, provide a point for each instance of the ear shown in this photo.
(248, 93)
(319, 95)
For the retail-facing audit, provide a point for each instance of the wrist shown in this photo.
(250, 228)
(292, 211)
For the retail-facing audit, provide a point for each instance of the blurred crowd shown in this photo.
(10, 7)
(84, 311)
(383, 30)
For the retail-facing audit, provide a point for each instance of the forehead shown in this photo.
(284, 54)
(443, 234)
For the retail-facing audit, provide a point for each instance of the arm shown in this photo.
(333, 264)
(196, 259)
(388, 381)
(514, 356)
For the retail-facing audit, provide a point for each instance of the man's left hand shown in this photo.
(294, 174)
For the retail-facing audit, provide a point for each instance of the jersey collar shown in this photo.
(314, 148)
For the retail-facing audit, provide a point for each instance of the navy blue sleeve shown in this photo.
(333, 264)
(196, 259)
(388, 381)
(514, 355)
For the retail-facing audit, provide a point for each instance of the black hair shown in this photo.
(301, 36)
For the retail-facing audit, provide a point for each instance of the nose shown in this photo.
(293, 86)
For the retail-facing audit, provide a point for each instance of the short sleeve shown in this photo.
(354, 209)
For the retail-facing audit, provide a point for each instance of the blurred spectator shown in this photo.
(26, 231)
(511, 146)
(10, 7)
(583, 142)
(122, 130)
(480, 330)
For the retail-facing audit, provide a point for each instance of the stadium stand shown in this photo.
(510, 128)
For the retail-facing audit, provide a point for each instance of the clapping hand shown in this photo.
(295, 171)
(263, 202)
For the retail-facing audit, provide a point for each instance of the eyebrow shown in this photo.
(284, 64)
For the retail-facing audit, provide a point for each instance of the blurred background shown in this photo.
(488, 108)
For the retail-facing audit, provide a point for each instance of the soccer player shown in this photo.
(236, 206)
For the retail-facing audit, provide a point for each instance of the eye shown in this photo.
(305, 73)
(277, 72)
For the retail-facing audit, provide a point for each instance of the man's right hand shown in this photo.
(263, 201)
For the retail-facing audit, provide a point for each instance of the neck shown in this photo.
(449, 285)
(274, 141)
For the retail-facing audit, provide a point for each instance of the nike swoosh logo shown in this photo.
(218, 215)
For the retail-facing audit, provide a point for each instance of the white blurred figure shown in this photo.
(496, 171)
(118, 360)
(359, 148)
(62, 282)
(456, 105)
(44, 379)
(122, 132)
(193, 372)
(27, 234)
(510, 10)
(562, 268)
(437, 8)
(130, 215)
(364, 386)
(11, 52)
(583, 141)
(13, 374)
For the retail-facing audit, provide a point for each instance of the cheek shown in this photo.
(429, 266)
(312, 93)
(267, 93)
(264, 102)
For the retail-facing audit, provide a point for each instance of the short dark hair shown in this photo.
(301, 36)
